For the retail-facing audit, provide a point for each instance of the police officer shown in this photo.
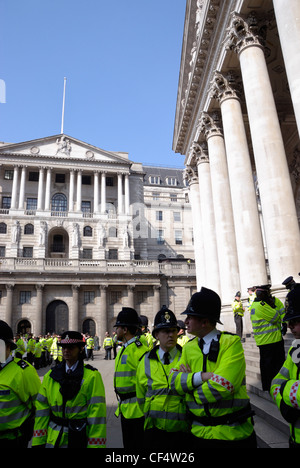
(238, 312)
(182, 338)
(19, 385)
(126, 363)
(285, 387)
(70, 407)
(266, 316)
(211, 375)
(165, 412)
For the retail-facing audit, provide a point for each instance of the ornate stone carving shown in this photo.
(64, 146)
(244, 32)
(221, 87)
(208, 126)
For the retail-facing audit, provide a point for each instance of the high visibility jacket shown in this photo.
(19, 386)
(20, 346)
(285, 391)
(49, 342)
(126, 364)
(237, 308)
(182, 340)
(162, 408)
(54, 413)
(38, 349)
(108, 341)
(219, 408)
(31, 345)
(266, 322)
(90, 343)
(56, 351)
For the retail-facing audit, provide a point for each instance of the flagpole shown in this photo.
(63, 108)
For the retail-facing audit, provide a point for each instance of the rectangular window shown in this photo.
(28, 252)
(115, 297)
(86, 180)
(6, 202)
(113, 254)
(176, 216)
(2, 250)
(86, 206)
(87, 253)
(31, 204)
(142, 296)
(155, 196)
(8, 174)
(159, 215)
(25, 297)
(109, 181)
(173, 197)
(178, 237)
(89, 297)
(33, 176)
(60, 178)
(160, 237)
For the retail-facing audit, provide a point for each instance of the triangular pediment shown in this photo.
(64, 147)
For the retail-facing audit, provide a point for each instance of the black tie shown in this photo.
(201, 343)
(166, 358)
(69, 371)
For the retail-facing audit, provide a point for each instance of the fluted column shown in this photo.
(71, 190)
(22, 188)
(48, 189)
(288, 23)
(9, 303)
(40, 189)
(39, 309)
(14, 188)
(208, 221)
(191, 174)
(245, 212)
(130, 291)
(120, 193)
(103, 325)
(79, 190)
(74, 323)
(156, 299)
(127, 196)
(277, 200)
(96, 192)
(103, 192)
(225, 233)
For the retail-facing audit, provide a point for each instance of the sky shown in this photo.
(121, 60)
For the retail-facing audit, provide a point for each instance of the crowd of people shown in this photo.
(172, 390)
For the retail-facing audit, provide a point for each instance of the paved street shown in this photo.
(106, 368)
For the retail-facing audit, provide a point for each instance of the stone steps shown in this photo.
(271, 429)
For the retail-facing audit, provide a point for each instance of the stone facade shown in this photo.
(84, 231)
(237, 123)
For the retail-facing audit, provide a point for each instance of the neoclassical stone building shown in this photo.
(237, 124)
(84, 231)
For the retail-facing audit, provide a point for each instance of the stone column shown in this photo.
(71, 190)
(208, 221)
(96, 192)
(74, 323)
(277, 200)
(246, 220)
(39, 309)
(40, 189)
(79, 188)
(156, 299)
(48, 189)
(103, 313)
(130, 291)
(120, 193)
(225, 233)
(22, 188)
(14, 188)
(191, 174)
(288, 23)
(127, 195)
(103, 192)
(9, 303)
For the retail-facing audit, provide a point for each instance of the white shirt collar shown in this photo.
(172, 353)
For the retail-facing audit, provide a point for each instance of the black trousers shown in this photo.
(132, 432)
(163, 440)
(272, 357)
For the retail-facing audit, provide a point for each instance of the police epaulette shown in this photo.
(138, 343)
(88, 366)
(23, 364)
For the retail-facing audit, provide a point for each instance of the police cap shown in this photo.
(127, 317)
(205, 304)
(165, 318)
(69, 338)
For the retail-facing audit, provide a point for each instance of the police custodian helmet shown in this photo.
(165, 318)
(70, 338)
(6, 334)
(205, 304)
(128, 317)
(292, 304)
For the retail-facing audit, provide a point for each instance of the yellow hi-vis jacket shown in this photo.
(219, 408)
(266, 322)
(162, 408)
(19, 386)
(126, 364)
(85, 407)
(285, 391)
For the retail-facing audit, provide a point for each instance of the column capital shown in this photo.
(200, 152)
(243, 33)
(191, 175)
(221, 87)
(208, 126)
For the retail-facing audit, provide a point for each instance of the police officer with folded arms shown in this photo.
(19, 385)
(211, 375)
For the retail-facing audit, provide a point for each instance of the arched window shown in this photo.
(3, 228)
(59, 202)
(29, 229)
(87, 231)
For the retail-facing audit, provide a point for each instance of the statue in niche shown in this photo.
(125, 237)
(101, 235)
(16, 232)
(42, 236)
(64, 146)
